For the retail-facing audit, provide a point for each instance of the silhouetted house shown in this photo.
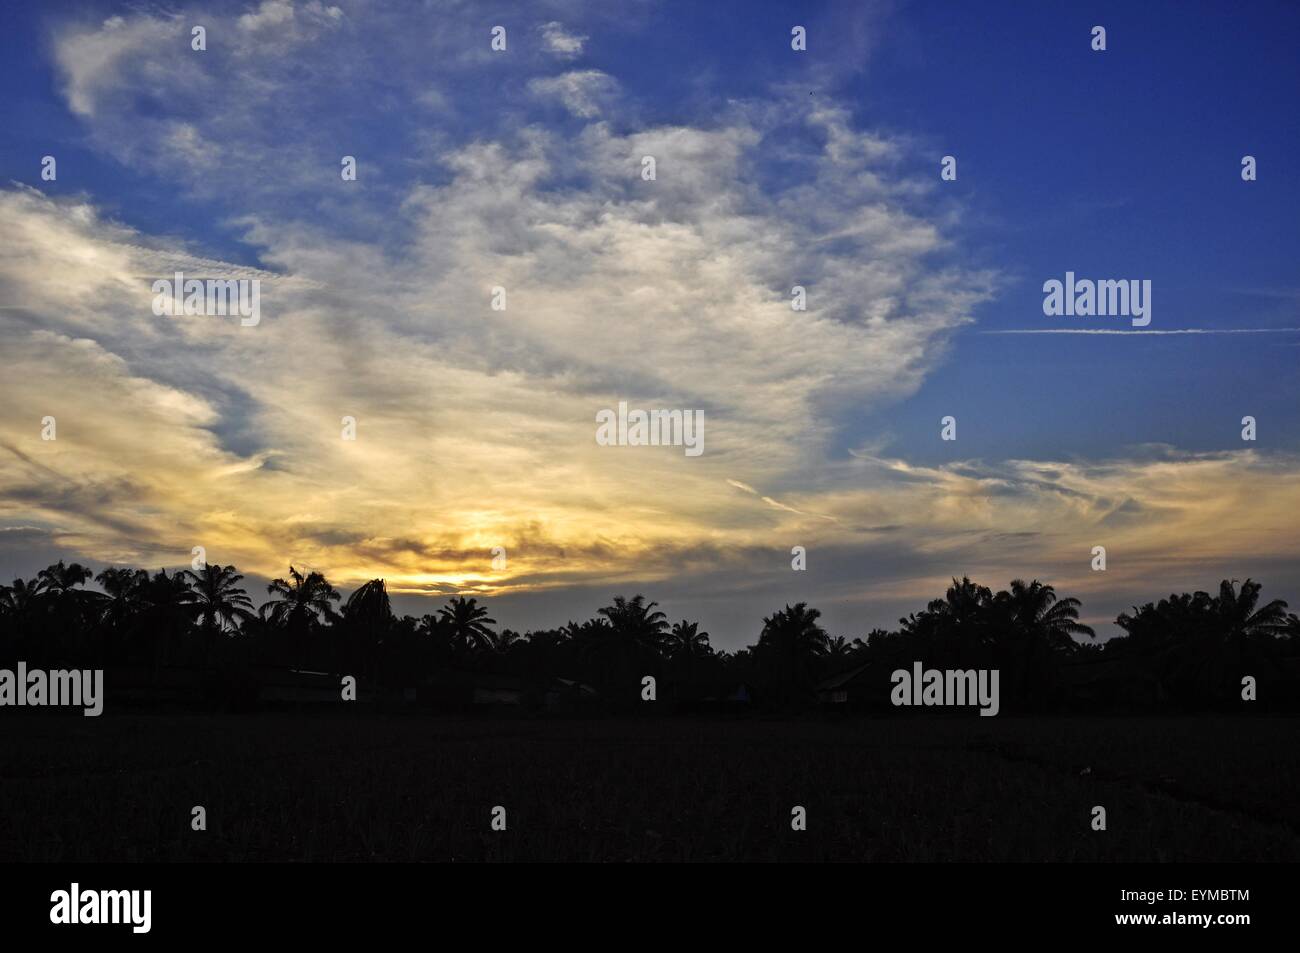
(507, 690)
(455, 689)
(299, 687)
(856, 688)
(567, 693)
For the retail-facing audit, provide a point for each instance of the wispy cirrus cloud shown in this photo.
(585, 93)
(475, 427)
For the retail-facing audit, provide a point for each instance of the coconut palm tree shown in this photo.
(1180, 618)
(436, 637)
(968, 621)
(1229, 636)
(621, 645)
(120, 601)
(1239, 618)
(121, 587)
(367, 620)
(467, 623)
(790, 647)
(300, 601)
(1035, 611)
(370, 603)
(966, 602)
(685, 642)
(1034, 630)
(167, 610)
(59, 579)
(299, 606)
(69, 607)
(688, 651)
(795, 632)
(636, 624)
(20, 609)
(502, 642)
(221, 602)
(19, 600)
(838, 649)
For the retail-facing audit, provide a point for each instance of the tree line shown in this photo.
(1190, 649)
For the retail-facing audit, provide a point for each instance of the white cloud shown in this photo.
(95, 60)
(584, 93)
(270, 14)
(556, 39)
(476, 428)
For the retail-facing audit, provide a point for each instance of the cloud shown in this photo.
(475, 427)
(582, 92)
(94, 61)
(471, 424)
(271, 13)
(557, 40)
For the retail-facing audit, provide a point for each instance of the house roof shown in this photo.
(582, 688)
(842, 679)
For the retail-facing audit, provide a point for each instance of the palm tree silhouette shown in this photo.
(367, 617)
(794, 630)
(685, 642)
(21, 599)
(1196, 645)
(20, 608)
(69, 608)
(305, 598)
(790, 646)
(502, 642)
(1036, 611)
(1233, 636)
(167, 608)
(1238, 617)
(839, 648)
(623, 643)
(121, 600)
(1037, 628)
(969, 611)
(60, 579)
(467, 623)
(635, 623)
(121, 586)
(300, 604)
(686, 648)
(220, 600)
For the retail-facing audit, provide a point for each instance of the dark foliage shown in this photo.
(1187, 651)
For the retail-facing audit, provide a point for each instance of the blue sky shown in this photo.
(1115, 164)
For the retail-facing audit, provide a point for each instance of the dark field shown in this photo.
(352, 788)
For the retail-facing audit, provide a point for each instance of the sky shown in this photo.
(522, 169)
